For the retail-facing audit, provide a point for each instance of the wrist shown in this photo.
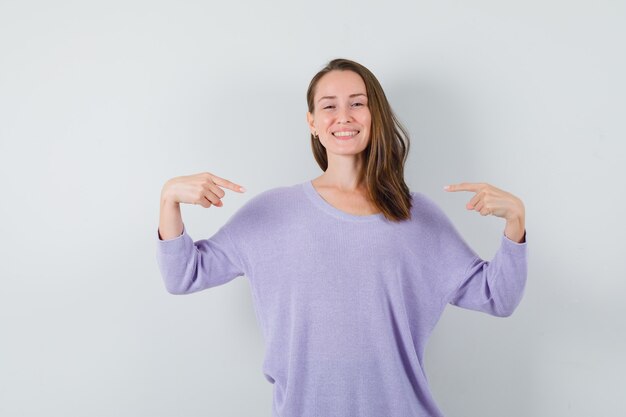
(515, 230)
(168, 201)
(515, 221)
(166, 197)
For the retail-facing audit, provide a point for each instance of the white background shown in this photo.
(102, 102)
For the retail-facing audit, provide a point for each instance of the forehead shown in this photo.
(338, 83)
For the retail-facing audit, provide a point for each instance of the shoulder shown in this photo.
(429, 213)
(424, 206)
(270, 199)
(266, 207)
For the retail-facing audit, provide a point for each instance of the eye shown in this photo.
(328, 107)
(358, 104)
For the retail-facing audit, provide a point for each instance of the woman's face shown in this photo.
(341, 116)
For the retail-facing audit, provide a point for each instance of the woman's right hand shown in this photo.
(203, 188)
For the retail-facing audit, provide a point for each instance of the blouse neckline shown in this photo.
(319, 201)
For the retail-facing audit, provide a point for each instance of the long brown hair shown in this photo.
(386, 152)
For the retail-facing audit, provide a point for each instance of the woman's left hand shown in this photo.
(492, 200)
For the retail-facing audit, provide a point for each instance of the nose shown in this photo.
(344, 116)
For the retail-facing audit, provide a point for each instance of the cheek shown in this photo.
(367, 119)
(325, 121)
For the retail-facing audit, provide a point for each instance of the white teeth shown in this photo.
(345, 133)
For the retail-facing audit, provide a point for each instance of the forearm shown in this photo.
(170, 219)
(515, 229)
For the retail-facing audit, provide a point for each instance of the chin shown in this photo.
(345, 151)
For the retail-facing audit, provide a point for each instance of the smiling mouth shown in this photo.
(346, 134)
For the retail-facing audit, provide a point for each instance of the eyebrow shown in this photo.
(351, 95)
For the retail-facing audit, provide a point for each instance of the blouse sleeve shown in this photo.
(464, 279)
(187, 266)
(494, 287)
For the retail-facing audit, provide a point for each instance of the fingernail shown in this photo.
(446, 187)
(242, 188)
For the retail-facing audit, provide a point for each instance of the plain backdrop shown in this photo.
(101, 102)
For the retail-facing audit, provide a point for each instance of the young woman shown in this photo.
(349, 271)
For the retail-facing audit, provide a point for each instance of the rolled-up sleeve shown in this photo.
(495, 287)
(187, 266)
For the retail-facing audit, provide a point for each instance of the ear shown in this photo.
(310, 121)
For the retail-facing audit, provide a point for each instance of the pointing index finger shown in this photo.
(228, 184)
(464, 186)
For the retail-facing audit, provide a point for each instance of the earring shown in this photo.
(315, 135)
